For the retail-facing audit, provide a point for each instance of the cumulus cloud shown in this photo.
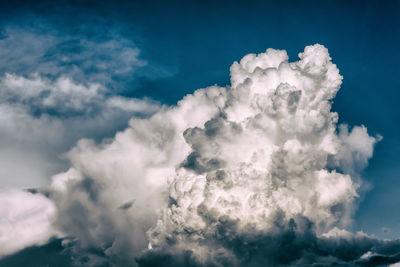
(131, 172)
(65, 97)
(258, 171)
(25, 220)
(254, 174)
(41, 118)
(60, 84)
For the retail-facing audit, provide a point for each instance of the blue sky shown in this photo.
(160, 51)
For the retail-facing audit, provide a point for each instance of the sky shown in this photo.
(73, 70)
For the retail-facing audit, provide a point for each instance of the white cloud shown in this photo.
(255, 173)
(357, 148)
(264, 159)
(25, 220)
(42, 118)
(133, 166)
(58, 85)
(251, 159)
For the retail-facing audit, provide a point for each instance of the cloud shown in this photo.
(135, 165)
(42, 118)
(60, 82)
(90, 49)
(357, 148)
(257, 173)
(64, 97)
(85, 55)
(256, 189)
(26, 220)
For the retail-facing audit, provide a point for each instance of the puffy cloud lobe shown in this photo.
(254, 174)
(356, 150)
(130, 171)
(25, 220)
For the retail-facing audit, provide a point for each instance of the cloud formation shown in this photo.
(269, 175)
(86, 54)
(42, 118)
(254, 174)
(60, 83)
(25, 220)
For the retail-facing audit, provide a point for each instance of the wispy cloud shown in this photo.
(94, 56)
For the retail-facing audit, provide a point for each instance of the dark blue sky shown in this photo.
(189, 45)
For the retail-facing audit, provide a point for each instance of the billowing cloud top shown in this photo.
(253, 174)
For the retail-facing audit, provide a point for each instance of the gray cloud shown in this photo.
(294, 243)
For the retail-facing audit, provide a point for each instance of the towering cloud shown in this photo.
(254, 174)
(269, 175)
